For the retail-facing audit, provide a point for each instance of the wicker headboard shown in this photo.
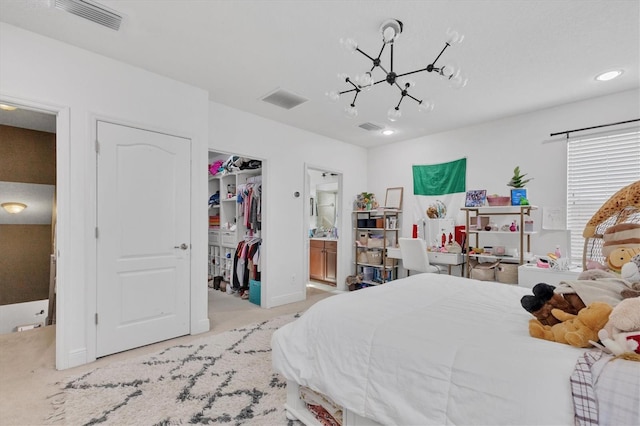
(622, 207)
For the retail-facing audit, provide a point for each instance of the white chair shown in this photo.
(414, 255)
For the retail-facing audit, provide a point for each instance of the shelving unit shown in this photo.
(519, 212)
(375, 232)
(228, 229)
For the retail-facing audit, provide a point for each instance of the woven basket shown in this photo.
(374, 257)
(507, 273)
(498, 200)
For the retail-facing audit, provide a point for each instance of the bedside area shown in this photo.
(530, 275)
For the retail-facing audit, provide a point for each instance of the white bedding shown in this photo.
(430, 349)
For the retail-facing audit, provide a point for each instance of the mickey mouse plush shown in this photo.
(544, 299)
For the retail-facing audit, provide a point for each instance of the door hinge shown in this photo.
(96, 318)
(96, 232)
(97, 147)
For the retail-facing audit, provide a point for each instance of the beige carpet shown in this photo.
(27, 359)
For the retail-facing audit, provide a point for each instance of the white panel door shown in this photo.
(143, 245)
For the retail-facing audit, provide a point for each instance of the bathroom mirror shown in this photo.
(326, 208)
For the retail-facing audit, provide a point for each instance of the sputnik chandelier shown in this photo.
(391, 30)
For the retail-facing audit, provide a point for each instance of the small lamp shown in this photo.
(13, 208)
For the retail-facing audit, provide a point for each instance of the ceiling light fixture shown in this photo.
(391, 30)
(388, 132)
(13, 208)
(609, 75)
(6, 107)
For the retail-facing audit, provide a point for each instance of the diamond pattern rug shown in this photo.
(222, 379)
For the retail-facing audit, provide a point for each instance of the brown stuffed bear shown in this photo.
(575, 330)
(544, 300)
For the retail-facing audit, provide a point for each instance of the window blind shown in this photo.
(597, 167)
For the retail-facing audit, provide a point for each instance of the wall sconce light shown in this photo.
(13, 208)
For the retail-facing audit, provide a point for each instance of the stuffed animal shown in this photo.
(630, 272)
(575, 330)
(621, 334)
(544, 300)
(353, 281)
(620, 256)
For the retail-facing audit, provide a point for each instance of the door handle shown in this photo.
(182, 246)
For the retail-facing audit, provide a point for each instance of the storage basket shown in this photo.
(376, 243)
(374, 257)
(362, 256)
(363, 238)
(498, 200)
(507, 273)
(484, 271)
(390, 261)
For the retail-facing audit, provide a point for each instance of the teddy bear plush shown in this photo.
(544, 300)
(621, 334)
(575, 330)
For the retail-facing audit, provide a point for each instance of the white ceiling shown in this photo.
(519, 55)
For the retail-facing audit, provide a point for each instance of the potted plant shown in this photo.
(519, 191)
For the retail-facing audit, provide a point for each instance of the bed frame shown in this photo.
(296, 409)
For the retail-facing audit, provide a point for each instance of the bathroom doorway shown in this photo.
(323, 218)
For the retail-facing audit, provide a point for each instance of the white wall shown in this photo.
(84, 86)
(285, 150)
(494, 148)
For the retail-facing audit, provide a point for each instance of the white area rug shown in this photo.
(222, 379)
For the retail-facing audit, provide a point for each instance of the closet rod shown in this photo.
(594, 127)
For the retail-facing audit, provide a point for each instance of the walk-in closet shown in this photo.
(235, 224)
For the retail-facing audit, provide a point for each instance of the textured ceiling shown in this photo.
(519, 56)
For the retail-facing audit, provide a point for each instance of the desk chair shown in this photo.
(414, 255)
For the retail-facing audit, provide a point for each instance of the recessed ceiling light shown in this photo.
(8, 107)
(388, 132)
(609, 75)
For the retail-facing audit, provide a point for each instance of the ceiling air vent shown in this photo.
(370, 127)
(284, 99)
(92, 11)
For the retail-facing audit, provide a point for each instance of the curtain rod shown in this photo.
(593, 127)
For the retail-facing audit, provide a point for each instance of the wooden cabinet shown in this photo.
(323, 259)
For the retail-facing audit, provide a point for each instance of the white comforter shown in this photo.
(430, 349)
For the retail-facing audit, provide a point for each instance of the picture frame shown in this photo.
(476, 198)
(393, 198)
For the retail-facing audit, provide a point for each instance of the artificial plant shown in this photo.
(518, 180)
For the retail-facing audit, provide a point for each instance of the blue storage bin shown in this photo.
(254, 292)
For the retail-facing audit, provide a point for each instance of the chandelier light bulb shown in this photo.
(449, 70)
(458, 82)
(454, 36)
(349, 44)
(365, 80)
(351, 111)
(408, 83)
(425, 106)
(333, 95)
(394, 114)
(343, 77)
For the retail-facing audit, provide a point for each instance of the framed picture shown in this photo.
(476, 198)
(393, 199)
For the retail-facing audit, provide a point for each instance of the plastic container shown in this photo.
(254, 292)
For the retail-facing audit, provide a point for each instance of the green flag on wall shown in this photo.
(440, 179)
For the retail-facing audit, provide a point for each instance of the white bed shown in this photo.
(428, 349)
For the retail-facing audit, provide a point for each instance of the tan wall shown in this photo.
(26, 156)
(24, 263)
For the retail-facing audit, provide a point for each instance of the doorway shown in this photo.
(28, 175)
(323, 227)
